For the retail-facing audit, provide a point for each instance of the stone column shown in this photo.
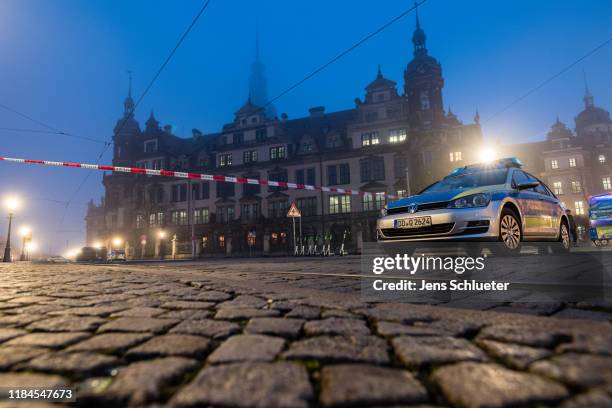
(228, 246)
(266, 243)
(174, 239)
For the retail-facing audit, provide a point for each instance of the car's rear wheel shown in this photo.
(510, 232)
(564, 243)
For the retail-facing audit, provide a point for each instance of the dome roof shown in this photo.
(592, 115)
(559, 130)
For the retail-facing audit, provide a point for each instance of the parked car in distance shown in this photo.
(495, 201)
(91, 254)
(116, 255)
(57, 259)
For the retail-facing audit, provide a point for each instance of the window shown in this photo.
(307, 147)
(160, 218)
(369, 139)
(205, 190)
(310, 176)
(251, 189)
(279, 238)
(374, 201)
(402, 193)
(221, 241)
(572, 162)
(139, 221)
(579, 206)
(238, 138)
(152, 219)
(261, 134)
(277, 176)
(179, 217)
(179, 192)
(195, 191)
(278, 152)
(339, 204)
(372, 169)
(397, 136)
(225, 160)
(607, 185)
(337, 174)
(160, 195)
(576, 186)
(307, 206)
(249, 156)
(424, 98)
(150, 146)
(399, 166)
(333, 140)
(371, 116)
(554, 164)
(305, 176)
(455, 156)
(558, 188)
(250, 211)
(157, 164)
(225, 189)
(277, 208)
(225, 214)
(201, 216)
(602, 159)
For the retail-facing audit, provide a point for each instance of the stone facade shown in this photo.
(389, 143)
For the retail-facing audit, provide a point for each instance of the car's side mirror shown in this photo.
(527, 185)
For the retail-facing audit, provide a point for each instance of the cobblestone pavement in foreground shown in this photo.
(237, 334)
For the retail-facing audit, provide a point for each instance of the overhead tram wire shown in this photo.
(51, 129)
(345, 52)
(549, 79)
(155, 77)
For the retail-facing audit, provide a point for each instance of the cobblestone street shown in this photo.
(287, 333)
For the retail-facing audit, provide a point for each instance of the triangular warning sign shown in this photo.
(293, 211)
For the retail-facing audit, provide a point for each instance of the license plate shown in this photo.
(414, 222)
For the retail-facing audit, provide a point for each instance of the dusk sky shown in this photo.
(64, 63)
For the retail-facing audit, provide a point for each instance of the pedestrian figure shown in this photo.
(573, 229)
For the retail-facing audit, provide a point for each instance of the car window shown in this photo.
(519, 177)
(541, 189)
(469, 180)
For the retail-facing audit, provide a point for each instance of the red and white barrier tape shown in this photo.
(196, 176)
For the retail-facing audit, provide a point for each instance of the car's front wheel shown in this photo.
(510, 232)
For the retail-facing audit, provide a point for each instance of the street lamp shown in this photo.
(26, 236)
(11, 204)
(117, 241)
(487, 155)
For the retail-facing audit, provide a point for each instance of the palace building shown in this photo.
(392, 142)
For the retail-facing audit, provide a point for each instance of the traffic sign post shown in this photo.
(294, 213)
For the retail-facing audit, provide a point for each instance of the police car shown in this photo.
(495, 201)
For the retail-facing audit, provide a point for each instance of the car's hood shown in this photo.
(442, 196)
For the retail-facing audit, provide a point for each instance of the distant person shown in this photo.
(573, 229)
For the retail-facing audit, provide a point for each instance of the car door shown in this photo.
(552, 215)
(543, 208)
(529, 202)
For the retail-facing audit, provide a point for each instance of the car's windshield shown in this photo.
(469, 179)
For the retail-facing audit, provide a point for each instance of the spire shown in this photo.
(477, 118)
(418, 37)
(152, 123)
(588, 97)
(257, 40)
(379, 75)
(128, 103)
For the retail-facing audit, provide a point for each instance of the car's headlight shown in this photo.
(383, 211)
(470, 201)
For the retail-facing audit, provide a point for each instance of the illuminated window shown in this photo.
(455, 156)
(602, 158)
(179, 217)
(572, 162)
(152, 219)
(369, 139)
(225, 160)
(278, 152)
(579, 206)
(576, 186)
(397, 136)
(139, 221)
(221, 241)
(558, 188)
(340, 204)
(201, 216)
(554, 164)
(607, 184)
(249, 156)
(402, 193)
(374, 201)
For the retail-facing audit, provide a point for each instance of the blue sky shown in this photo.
(64, 62)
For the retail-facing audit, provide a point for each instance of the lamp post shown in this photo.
(11, 204)
(26, 236)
